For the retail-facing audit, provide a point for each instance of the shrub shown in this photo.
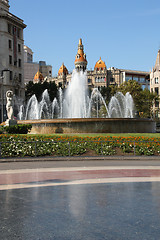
(18, 129)
(1, 130)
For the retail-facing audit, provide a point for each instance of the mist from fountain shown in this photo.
(76, 96)
(76, 103)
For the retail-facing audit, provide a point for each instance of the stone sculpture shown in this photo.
(9, 108)
(9, 105)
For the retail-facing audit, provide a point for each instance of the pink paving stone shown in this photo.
(75, 175)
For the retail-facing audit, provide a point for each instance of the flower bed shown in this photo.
(39, 145)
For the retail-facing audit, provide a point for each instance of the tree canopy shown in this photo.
(38, 89)
(143, 99)
(108, 92)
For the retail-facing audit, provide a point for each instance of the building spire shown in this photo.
(80, 61)
(157, 64)
(80, 41)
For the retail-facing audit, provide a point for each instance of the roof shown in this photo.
(100, 64)
(63, 69)
(38, 76)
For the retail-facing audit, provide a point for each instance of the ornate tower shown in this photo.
(80, 61)
(4, 4)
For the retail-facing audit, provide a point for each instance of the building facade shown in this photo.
(46, 70)
(100, 76)
(35, 71)
(30, 67)
(155, 83)
(11, 55)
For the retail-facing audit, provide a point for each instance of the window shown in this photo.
(142, 80)
(10, 59)
(135, 78)
(14, 29)
(157, 90)
(11, 75)
(18, 33)
(29, 58)
(143, 86)
(128, 78)
(19, 62)
(99, 79)
(16, 92)
(102, 79)
(19, 48)
(10, 44)
(9, 28)
(20, 77)
(156, 80)
(156, 104)
(112, 80)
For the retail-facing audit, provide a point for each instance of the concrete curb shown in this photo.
(79, 158)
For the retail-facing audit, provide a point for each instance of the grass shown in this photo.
(150, 135)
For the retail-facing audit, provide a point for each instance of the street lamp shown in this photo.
(2, 77)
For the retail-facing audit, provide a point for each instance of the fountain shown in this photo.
(77, 104)
(76, 112)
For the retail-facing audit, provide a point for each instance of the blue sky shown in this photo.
(124, 33)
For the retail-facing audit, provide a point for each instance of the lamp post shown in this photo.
(2, 77)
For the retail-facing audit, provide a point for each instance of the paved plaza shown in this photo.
(79, 200)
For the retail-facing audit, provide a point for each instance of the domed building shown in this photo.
(100, 73)
(100, 66)
(62, 74)
(100, 76)
(62, 71)
(96, 77)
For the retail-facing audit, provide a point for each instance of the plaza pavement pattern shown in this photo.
(102, 202)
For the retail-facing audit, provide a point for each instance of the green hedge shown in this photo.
(18, 129)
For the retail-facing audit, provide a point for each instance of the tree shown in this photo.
(143, 99)
(38, 89)
(134, 88)
(108, 92)
(148, 99)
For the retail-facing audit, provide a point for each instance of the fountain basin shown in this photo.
(91, 125)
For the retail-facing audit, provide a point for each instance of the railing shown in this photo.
(79, 148)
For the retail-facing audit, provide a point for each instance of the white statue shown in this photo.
(9, 106)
